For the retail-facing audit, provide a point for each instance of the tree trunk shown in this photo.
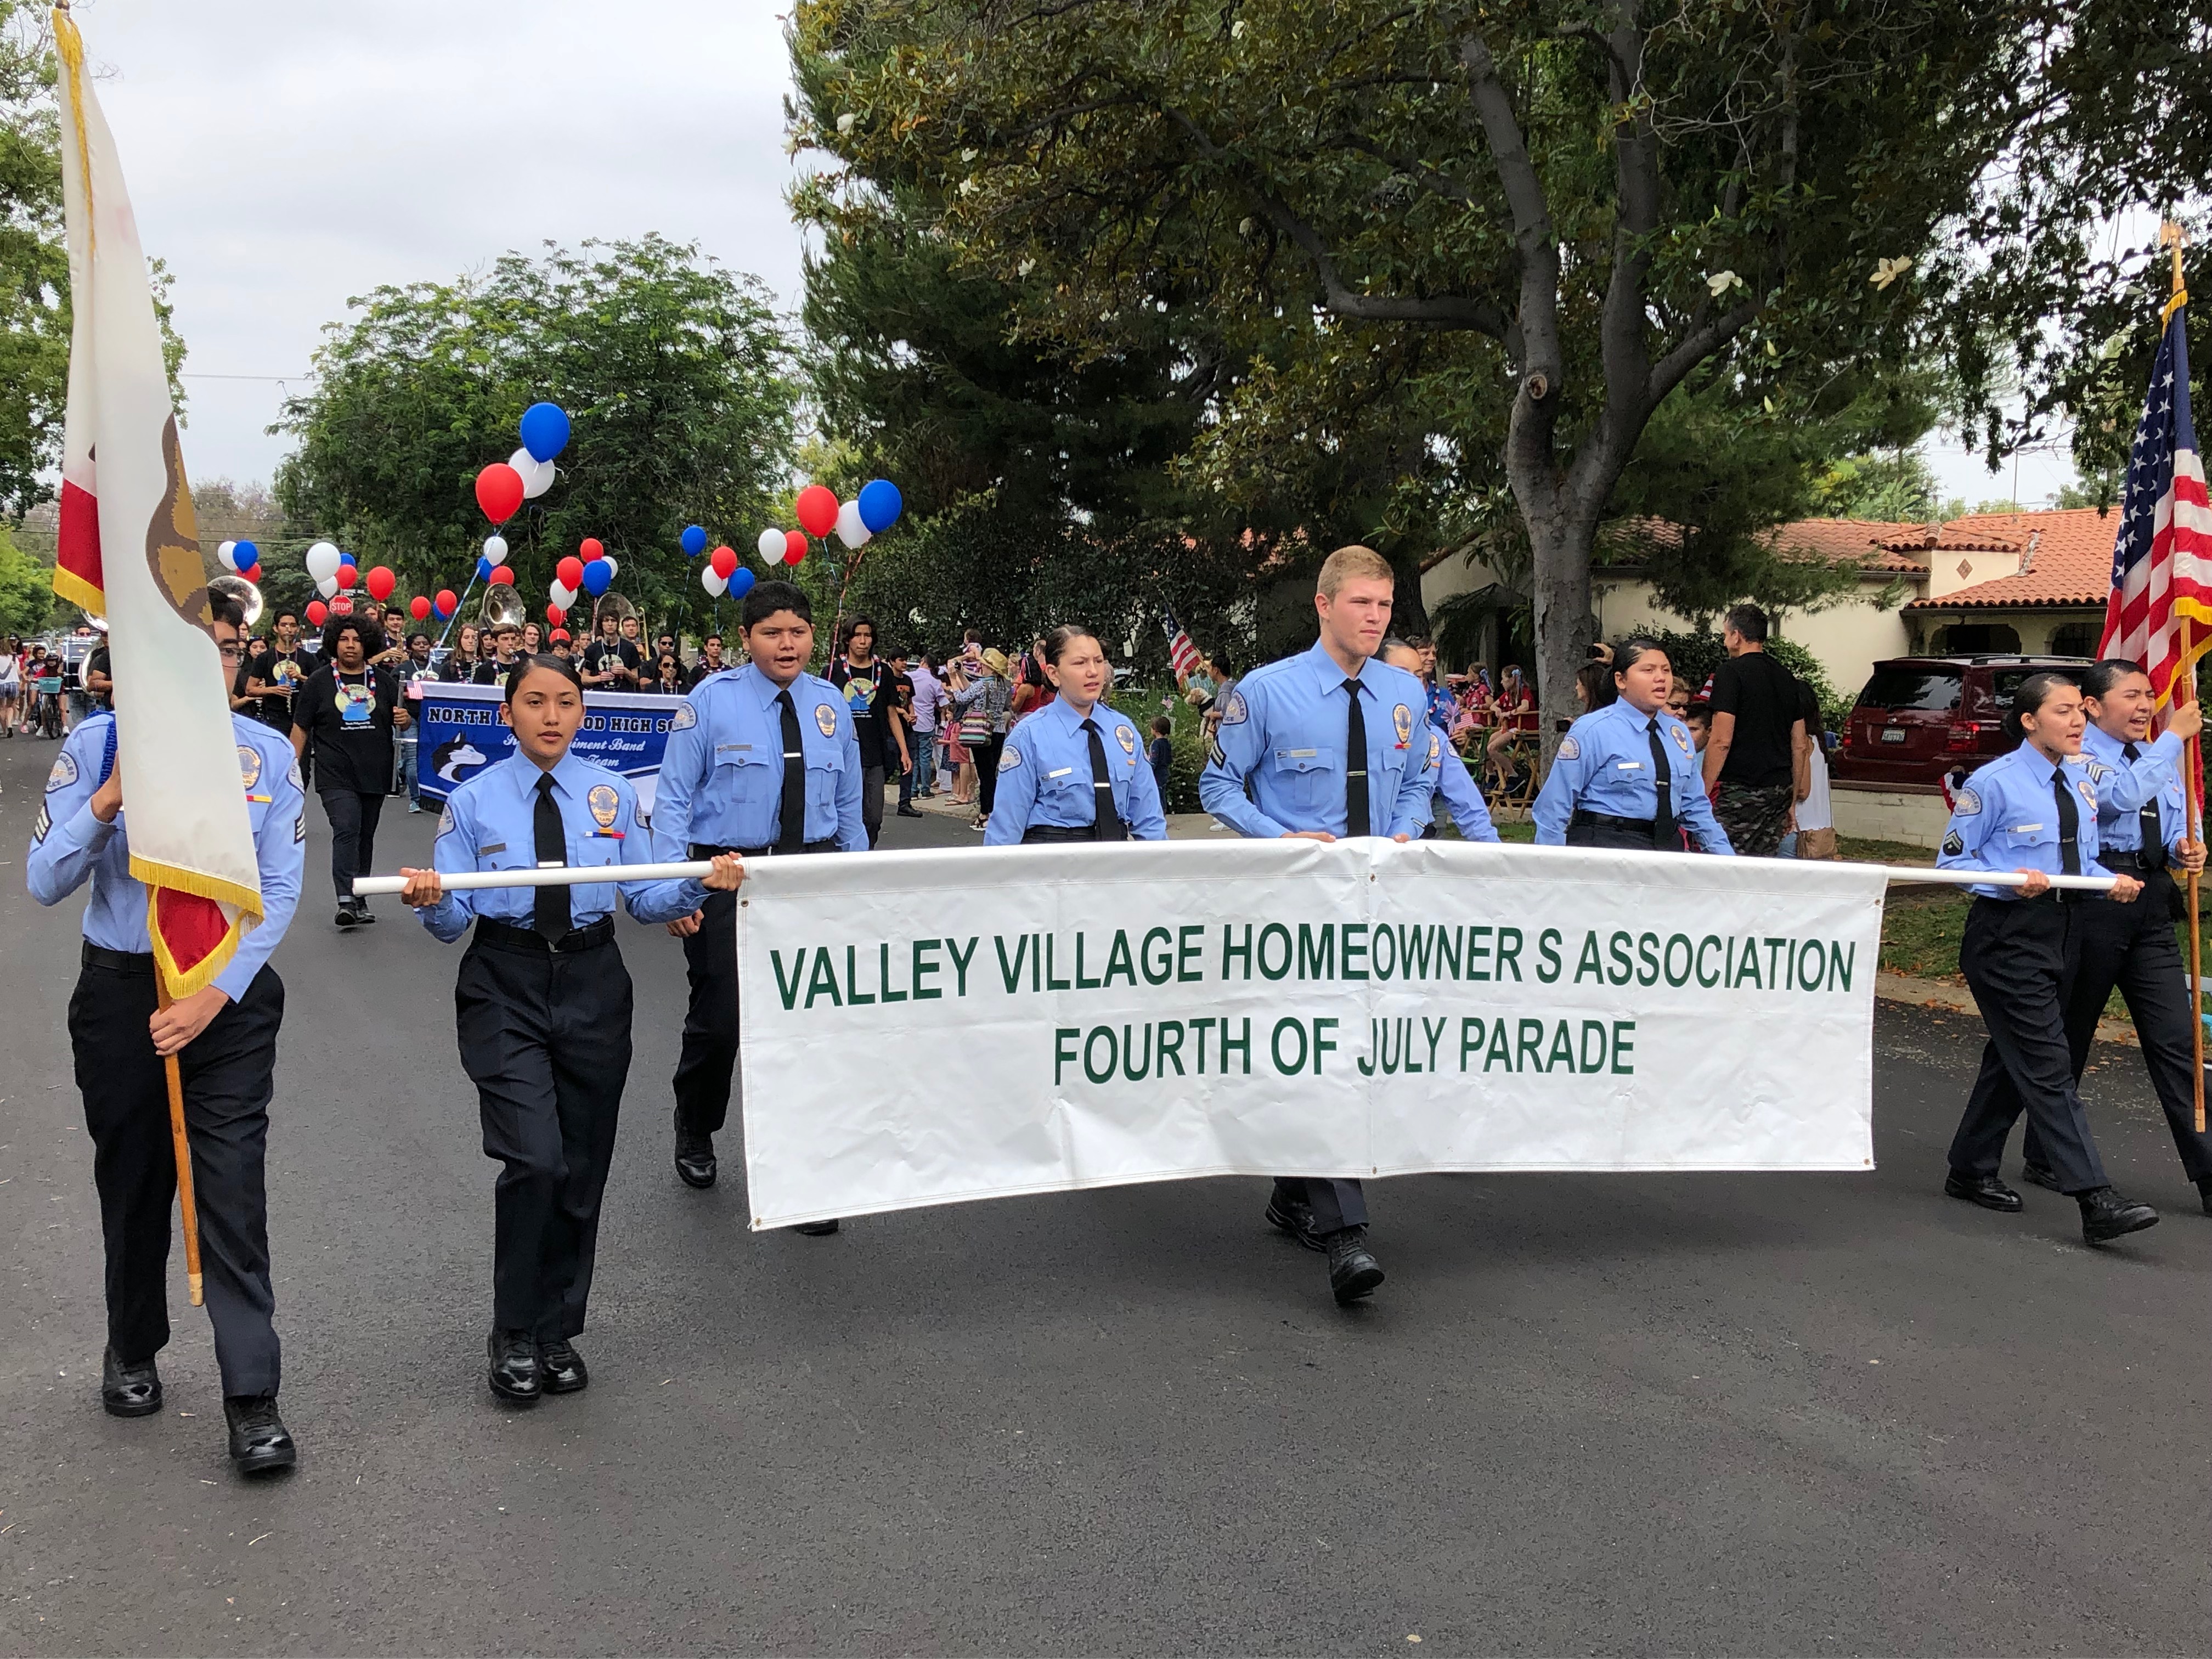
(1562, 541)
(1409, 615)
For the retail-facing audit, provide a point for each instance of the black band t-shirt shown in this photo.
(348, 718)
(1763, 696)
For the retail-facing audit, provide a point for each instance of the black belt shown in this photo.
(1059, 832)
(526, 941)
(2129, 859)
(1582, 820)
(700, 849)
(118, 962)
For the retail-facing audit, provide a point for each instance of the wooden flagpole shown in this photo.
(2170, 236)
(187, 1207)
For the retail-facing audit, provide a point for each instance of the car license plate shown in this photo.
(1893, 734)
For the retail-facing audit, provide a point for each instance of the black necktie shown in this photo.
(1357, 820)
(1664, 836)
(791, 825)
(2070, 825)
(1106, 817)
(550, 916)
(2153, 831)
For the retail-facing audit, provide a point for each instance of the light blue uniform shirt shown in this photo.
(2125, 788)
(2007, 818)
(69, 846)
(1283, 729)
(1604, 765)
(1044, 776)
(1456, 788)
(721, 775)
(491, 823)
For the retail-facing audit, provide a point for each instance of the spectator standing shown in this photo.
(1758, 733)
(348, 710)
(903, 689)
(1816, 820)
(1160, 752)
(984, 707)
(99, 685)
(928, 697)
(872, 699)
(959, 759)
(11, 686)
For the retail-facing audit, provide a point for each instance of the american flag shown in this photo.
(2162, 555)
(1182, 655)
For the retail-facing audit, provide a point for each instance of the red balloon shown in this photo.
(725, 561)
(818, 512)
(419, 608)
(794, 546)
(589, 549)
(571, 571)
(381, 581)
(561, 635)
(500, 573)
(318, 613)
(253, 572)
(347, 576)
(556, 615)
(448, 602)
(499, 491)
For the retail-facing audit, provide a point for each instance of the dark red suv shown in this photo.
(1919, 717)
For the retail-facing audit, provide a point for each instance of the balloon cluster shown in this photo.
(587, 570)
(244, 557)
(855, 523)
(502, 487)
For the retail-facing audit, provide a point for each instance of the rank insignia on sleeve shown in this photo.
(64, 772)
(1570, 750)
(1010, 758)
(1401, 718)
(1233, 713)
(825, 720)
(1969, 804)
(300, 826)
(40, 826)
(249, 764)
(2099, 771)
(1953, 844)
(684, 717)
(1128, 736)
(605, 804)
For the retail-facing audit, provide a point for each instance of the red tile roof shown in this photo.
(2069, 559)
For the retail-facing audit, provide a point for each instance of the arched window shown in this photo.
(2077, 639)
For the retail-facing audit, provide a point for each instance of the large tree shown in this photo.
(676, 374)
(1602, 198)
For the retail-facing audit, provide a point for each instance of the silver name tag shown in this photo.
(1062, 772)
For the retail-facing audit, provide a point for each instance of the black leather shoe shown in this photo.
(2205, 1192)
(2036, 1176)
(259, 1442)
(912, 812)
(515, 1375)
(1353, 1272)
(1985, 1190)
(361, 913)
(1294, 1217)
(816, 1229)
(128, 1391)
(346, 917)
(695, 1155)
(560, 1368)
(2105, 1215)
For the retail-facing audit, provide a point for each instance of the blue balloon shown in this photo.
(741, 583)
(695, 540)
(544, 431)
(484, 568)
(246, 555)
(880, 505)
(597, 576)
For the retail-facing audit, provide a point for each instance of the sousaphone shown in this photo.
(237, 588)
(612, 605)
(503, 608)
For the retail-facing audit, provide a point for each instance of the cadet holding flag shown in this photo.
(760, 762)
(1327, 742)
(543, 1008)
(1074, 769)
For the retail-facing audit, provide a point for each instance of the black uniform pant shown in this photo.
(353, 818)
(709, 1054)
(871, 802)
(1334, 1203)
(545, 1038)
(229, 1072)
(2130, 947)
(2019, 957)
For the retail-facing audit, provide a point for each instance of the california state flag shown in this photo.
(129, 547)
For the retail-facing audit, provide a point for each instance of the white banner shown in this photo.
(925, 1028)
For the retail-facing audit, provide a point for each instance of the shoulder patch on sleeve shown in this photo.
(825, 720)
(1436, 748)
(684, 717)
(1234, 713)
(446, 821)
(1954, 845)
(63, 773)
(1570, 750)
(1010, 758)
(1969, 805)
(292, 776)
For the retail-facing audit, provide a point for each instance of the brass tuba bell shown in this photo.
(614, 605)
(503, 608)
(248, 596)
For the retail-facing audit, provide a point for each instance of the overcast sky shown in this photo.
(283, 157)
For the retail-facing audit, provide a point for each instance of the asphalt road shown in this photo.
(1732, 1414)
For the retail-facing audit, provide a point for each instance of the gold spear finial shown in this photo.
(2171, 235)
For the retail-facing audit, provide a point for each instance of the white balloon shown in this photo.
(496, 549)
(714, 584)
(328, 587)
(323, 561)
(222, 552)
(564, 596)
(611, 566)
(771, 546)
(537, 475)
(850, 530)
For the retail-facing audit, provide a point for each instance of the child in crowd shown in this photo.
(1161, 753)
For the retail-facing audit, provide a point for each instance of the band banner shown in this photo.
(928, 1027)
(458, 732)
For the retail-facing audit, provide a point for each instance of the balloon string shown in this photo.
(458, 604)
